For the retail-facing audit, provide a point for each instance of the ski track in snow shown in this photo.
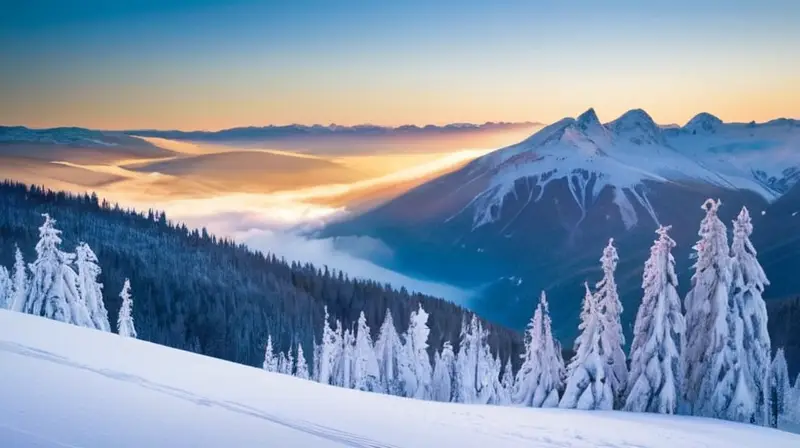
(331, 434)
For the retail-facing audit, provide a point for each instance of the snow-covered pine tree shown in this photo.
(587, 387)
(301, 370)
(6, 291)
(508, 382)
(54, 287)
(500, 395)
(90, 290)
(529, 373)
(655, 378)
(19, 277)
(488, 373)
(125, 325)
(347, 359)
(541, 375)
(330, 351)
(288, 366)
(467, 379)
(443, 374)
(708, 352)
(366, 374)
(611, 311)
(389, 351)
(780, 387)
(749, 281)
(282, 361)
(270, 360)
(415, 368)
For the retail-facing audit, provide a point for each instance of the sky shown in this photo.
(206, 64)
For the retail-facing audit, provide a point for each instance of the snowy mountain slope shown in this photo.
(75, 387)
(624, 153)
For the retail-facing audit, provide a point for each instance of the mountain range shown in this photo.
(535, 215)
(256, 133)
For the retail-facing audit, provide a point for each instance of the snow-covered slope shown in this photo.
(64, 386)
(623, 153)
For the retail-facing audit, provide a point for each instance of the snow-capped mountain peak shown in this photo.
(588, 119)
(589, 157)
(703, 122)
(637, 127)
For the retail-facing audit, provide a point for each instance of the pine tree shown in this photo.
(709, 354)
(488, 373)
(508, 382)
(366, 374)
(540, 377)
(443, 374)
(611, 311)
(500, 395)
(389, 352)
(301, 370)
(780, 386)
(467, 378)
(415, 368)
(587, 386)
(655, 377)
(270, 360)
(90, 290)
(330, 352)
(288, 365)
(282, 362)
(6, 290)
(125, 320)
(753, 340)
(347, 359)
(54, 287)
(20, 281)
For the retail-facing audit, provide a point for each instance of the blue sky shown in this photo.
(213, 64)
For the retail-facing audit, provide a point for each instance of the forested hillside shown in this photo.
(194, 291)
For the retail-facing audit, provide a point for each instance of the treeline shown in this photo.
(210, 295)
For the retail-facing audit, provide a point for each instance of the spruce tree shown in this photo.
(587, 386)
(709, 353)
(443, 374)
(389, 351)
(752, 341)
(125, 325)
(301, 369)
(20, 281)
(468, 382)
(780, 386)
(610, 308)
(90, 290)
(655, 377)
(270, 360)
(541, 375)
(54, 287)
(508, 382)
(415, 367)
(329, 352)
(366, 374)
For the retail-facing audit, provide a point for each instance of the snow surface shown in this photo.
(65, 386)
(623, 153)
